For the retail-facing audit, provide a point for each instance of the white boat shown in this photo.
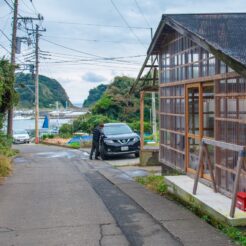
(20, 117)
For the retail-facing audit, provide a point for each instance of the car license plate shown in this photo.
(124, 148)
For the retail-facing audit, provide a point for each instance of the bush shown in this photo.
(87, 122)
(5, 166)
(136, 126)
(5, 146)
(45, 136)
(66, 130)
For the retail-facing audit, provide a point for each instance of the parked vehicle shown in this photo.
(21, 136)
(118, 139)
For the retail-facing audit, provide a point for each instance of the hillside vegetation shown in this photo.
(115, 105)
(50, 91)
(94, 95)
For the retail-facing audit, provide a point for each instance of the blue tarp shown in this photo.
(78, 139)
(46, 122)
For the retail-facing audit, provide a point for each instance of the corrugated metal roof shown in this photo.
(225, 32)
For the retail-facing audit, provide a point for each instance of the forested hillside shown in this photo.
(50, 91)
(115, 105)
(94, 95)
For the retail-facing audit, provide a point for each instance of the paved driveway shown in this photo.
(56, 197)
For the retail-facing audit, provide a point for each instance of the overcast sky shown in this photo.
(89, 42)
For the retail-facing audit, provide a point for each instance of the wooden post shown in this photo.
(141, 120)
(210, 167)
(13, 54)
(199, 167)
(240, 161)
(37, 86)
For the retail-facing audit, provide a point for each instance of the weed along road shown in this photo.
(56, 196)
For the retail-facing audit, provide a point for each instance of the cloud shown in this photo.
(79, 76)
(93, 77)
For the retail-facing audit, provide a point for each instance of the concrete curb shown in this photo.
(179, 221)
(59, 145)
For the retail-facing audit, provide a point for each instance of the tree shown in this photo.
(8, 95)
(50, 91)
(94, 95)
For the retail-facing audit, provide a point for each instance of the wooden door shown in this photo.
(193, 125)
(199, 122)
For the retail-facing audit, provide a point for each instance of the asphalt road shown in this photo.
(57, 197)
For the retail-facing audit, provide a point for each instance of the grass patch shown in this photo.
(74, 145)
(154, 183)
(9, 152)
(158, 185)
(5, 166)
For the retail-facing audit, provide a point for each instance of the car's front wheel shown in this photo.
(102, 153)
(137, 154)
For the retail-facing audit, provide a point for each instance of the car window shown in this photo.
(117, 129)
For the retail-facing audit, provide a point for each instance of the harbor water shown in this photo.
(29, 124)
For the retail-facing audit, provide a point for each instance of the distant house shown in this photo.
(202, 87)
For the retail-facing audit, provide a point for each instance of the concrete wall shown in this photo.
(149, 157)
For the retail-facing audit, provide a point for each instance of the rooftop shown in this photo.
(224, 33)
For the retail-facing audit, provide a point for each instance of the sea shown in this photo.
(29, 124)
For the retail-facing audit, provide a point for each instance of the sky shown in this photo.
(87, 43)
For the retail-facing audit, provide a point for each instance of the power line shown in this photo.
(28, 7)
(79, 51)
(5, 49)
(124, 20)
(9, 52)
(90, 54)
(4, 16)
(141, 12)
(95, 65)
(60, 60)
(57, 56)
(87, 40)
(105, 64)
(4, 34)
(97, 25)
(31, 9)
(108, 58)
(8, 4)
(34, 7)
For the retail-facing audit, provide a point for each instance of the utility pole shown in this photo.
(13, 52)
(154, 127)
(37, 32)
(37, 86)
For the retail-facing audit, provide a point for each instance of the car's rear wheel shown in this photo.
(137, 154)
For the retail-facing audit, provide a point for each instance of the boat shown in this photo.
(20, 117)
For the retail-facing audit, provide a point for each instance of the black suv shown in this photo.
(118, 139)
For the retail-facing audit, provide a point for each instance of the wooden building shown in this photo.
(201, 60)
